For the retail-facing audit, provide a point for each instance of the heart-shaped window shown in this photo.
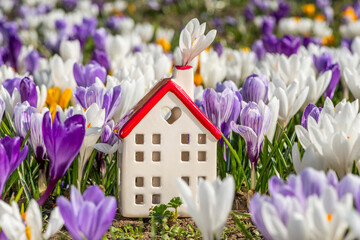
(170, 115)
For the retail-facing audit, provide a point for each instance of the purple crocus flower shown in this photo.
(259, 49)
(31, 61)
(27, 89)
(282, 11)
(306, 41)
(88, 216)
(220, 87)
(288, 45)
(323, 63)
(13, 44)
(57, 137)
(96, 93)
(254, 125)
(36, 137)
(270, 43)
(84, 30)
(100, 39)
(22, 116)
(101, 58)
(267, 26)
(11, 84)
(335, 78)
(255, 88)
(219, 107)
(69, 4)
(10, 158)
(310, 111)
(249, 13)
(218, 47)
(86, 75)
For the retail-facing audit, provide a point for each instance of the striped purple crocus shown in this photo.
(88, 216)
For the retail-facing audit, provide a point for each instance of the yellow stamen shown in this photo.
(329, 217)
(246, 49)
(27, 228)
(164, 44)
(55, 97)
(110, 72)
(297, 18)
(65, 98)
(350, 14)
(89, 125)
(328, 41)
(308, 9)
(198, 80)
(347, 137)
(28, 232)
(320, 17)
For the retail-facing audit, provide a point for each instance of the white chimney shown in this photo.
(184, 77)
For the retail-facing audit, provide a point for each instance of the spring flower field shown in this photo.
(278, 80)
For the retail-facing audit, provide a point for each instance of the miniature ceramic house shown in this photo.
(165, 137)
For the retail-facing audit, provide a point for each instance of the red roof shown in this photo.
(135, 115)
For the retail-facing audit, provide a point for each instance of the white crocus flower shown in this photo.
(332, 142)
(62, 73)
(132, 89)
(317, 86)
(215, 202)
(212, 68)
(95, 118)
(28, 225)
(6, 72)
(193, 41)
(352, 76)
(70, 50)
(145, 31)
(117, 47)
(10, 101)
(41, 96)
(291, 99)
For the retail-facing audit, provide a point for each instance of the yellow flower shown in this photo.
(328, 41)
(198, 80)
(164, 44)
(319, 17)
(308, 9)
(350, 14)
(56, 97)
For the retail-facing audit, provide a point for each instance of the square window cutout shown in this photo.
(156, 138)
(202, 138)
(185, 156)
(156, 156)
(139, 199)
(201, 156)
(201, 177)
(185, 138)
(139, 138)
(139, 156)
(156, 199)
(186, 179)
(156, 181)
(139, 181)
